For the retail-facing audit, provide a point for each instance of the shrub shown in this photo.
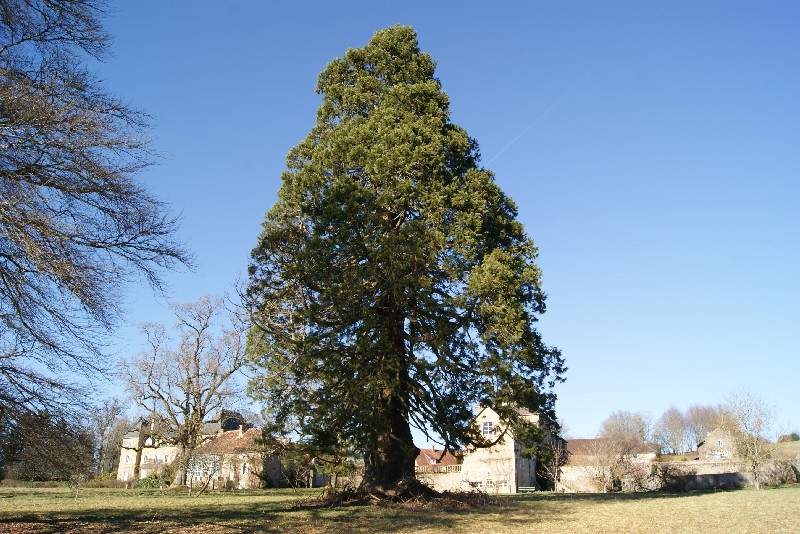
(780, 472)
(671, 477)
(154, 481)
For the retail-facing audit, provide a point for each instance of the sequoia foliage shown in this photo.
(392, 285)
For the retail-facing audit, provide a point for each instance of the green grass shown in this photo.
(118, 510)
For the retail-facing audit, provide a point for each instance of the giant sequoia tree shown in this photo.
(392, 284)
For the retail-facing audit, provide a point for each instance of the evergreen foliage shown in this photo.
(392, 284)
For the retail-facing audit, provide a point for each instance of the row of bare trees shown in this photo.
(675, 431)
(744, 417)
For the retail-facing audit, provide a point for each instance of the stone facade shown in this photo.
(501, 468)
(718, 445)
(232, 460)
(157, 453)
(155, 457)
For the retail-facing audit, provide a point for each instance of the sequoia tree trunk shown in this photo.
(392, 453)
(391, 459)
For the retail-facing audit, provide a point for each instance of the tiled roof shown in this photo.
(232, 442)
(432, 457)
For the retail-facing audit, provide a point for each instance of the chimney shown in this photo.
(241, 430)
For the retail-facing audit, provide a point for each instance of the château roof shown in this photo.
(232, 442)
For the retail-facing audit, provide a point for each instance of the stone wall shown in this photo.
(677, 476)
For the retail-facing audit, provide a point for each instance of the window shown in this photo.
(489, 483)
(719, 442)
(145, 458)
(127, 458)
(487, 428)
(166, 458)
(244, 468)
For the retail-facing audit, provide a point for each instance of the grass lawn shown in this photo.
(119, 510)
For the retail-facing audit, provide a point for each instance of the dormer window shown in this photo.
(487, 428)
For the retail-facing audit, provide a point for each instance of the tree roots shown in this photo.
(407, 493)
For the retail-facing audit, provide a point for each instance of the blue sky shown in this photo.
(653, 149)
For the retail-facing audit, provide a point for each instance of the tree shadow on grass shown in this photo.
(270, 515)
(257, 516)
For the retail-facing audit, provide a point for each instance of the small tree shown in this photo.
(748, 419)
(553, 455)
(202, 468)
(107, 426)
(182, 386)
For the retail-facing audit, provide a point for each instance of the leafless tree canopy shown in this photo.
(73, 222)
(185, 382)
(671, 431)
(700, 420)
(635, 427)
(748, 419)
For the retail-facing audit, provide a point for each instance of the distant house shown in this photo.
(718, 445)
(502, 468)
(435, 460)
(154, 454)
(233, 460)
(148, 446)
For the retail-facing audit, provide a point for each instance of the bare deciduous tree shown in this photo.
(553, 455)
(700, 420)
(748, 419)
(108, 426)
(74, 223)
(635, 427)
(184, 385)
(671, 431)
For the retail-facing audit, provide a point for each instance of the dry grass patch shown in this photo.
(109, 510)
(788, 450)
